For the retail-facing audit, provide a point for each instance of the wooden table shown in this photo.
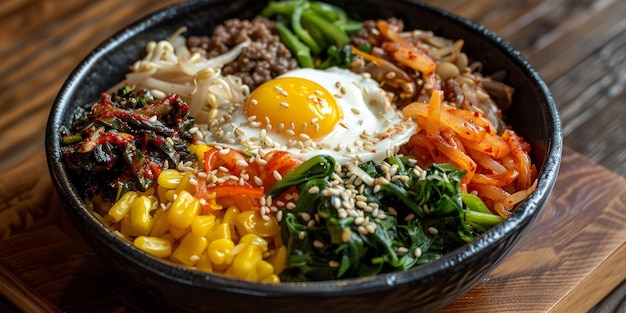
(572, 260)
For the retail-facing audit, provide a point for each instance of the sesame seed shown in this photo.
(277, 175)
(409, 217)
(279, 216)
(318, 244)
(376, 188)
(301, 235)
(362, 230)
(371, 228)
(375, 212)
(402, 250)
(305, 216)
(342, 213)
(311, 223)
(333, 263)
(314, 190)
(392, 211)
(254, 102)
(417, 252)
(258, 181)
(433, 231)
(426, 208)
(284, 104)
(290, 206)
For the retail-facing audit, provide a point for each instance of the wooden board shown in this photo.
(570, 259)
(569, 262)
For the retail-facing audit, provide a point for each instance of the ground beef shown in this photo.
(265, 58)
(369, 35)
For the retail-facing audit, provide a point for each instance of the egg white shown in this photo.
(371, 127)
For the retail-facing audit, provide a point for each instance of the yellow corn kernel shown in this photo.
(263, 270)
(160, 193)
(183, 210)
(230, 218)
(178, 232)
(121, 207)
(154, 201)
(140, 218)
(244, 263)
(221, 231)
(169, 178)
(251, 222)
(159, 223)
(189, 250)
(126, 226)
(277, 259)
(202, 224)
(185, 185)
(200, 150)
(254, 240)
(158, 247)
(204, 264)
(220, 252)
(272, 279)
(170, 194)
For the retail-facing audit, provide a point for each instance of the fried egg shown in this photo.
(310, 112)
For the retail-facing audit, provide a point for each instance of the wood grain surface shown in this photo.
(571, 258)
(568, 264)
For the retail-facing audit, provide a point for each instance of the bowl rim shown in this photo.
(526, 212)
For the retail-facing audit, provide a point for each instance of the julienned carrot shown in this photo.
(498, 167)
(434, 114)
(405, 52)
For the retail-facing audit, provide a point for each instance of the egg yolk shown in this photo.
(293, 106)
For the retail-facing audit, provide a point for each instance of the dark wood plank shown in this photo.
(577, 46)
(569, 240)
(37, 59)
(571, 258)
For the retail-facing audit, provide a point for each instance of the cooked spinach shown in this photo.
(425, 216)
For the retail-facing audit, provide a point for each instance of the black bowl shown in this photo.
(426, 288)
